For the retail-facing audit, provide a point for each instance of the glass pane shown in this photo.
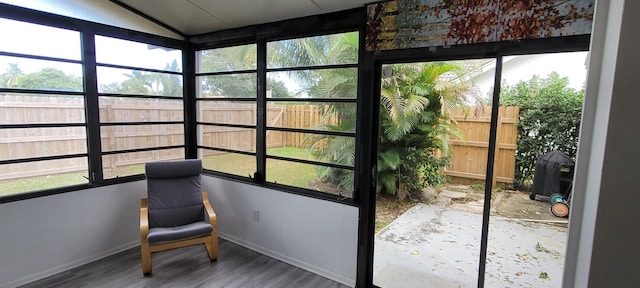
(313, 51)
(221, 86)
(306, 146)
(431, 171)
(312, 115)
(23, 73)
(317, 83)
(40, 108)
(116, 138)
(241, 113)
(41, 175)
(309, 176)
(240, 139)
(234, 58)
(232, 163)
(124, 109)
(541, 99)
(136, 82)
(40, 142)
(126, 164)
(135, 54)
(34, 39)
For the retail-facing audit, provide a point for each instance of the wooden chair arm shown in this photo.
(213, 219)
(144, 219)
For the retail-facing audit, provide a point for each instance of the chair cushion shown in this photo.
(193, 230)
(173, 169)
(174, 193)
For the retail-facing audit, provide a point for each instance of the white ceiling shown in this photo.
(193, 17)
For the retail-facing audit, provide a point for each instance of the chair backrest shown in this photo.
(174, 192)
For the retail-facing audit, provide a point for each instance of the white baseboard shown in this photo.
(295, 262)
(71, 265)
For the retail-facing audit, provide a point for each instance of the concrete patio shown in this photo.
(439, 246)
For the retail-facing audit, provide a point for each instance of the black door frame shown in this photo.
(369, 112)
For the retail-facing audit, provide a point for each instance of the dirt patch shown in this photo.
(388, 209)
(505, 203)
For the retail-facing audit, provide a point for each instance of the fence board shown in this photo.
(469, 155)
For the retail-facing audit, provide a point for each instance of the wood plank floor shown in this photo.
(189, 267)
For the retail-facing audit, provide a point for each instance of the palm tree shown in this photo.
(414, 121)
(10, 77)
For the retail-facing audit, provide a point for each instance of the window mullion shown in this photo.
(92, 112)
(261, 121)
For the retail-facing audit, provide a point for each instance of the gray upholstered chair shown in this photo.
(176, 213)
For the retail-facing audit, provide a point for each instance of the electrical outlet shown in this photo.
(256, 215)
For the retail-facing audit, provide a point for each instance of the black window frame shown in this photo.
(332, 23)
(88, 30)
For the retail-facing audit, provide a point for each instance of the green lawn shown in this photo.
(283, 172)
(15, 186)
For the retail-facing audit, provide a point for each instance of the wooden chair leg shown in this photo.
(145, 256)
(212, 248)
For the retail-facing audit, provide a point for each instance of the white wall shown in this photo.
(604, 235)
(319, 236)
(43, 236)
(100, 11)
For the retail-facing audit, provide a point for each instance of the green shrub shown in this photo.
(549, 120)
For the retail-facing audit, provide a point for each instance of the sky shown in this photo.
(65, 44)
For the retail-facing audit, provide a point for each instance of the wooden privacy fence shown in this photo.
(469, 155)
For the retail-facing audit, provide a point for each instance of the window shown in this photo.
(43, 141)
(140, 103)
(311, 112)
(226, 93)
(295, 129)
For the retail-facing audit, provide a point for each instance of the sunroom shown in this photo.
(281, 100)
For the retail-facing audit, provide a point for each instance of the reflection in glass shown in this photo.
(227, 112)
(136, 82)
(233, 138)
(40, 40)
(312, 115)
(127, 137)
(236, 58)
(126, 109)
(127, 164)
(42, 175)
(316, 83)
(227, 86)
(303, 52)
(232, 163)
(41, 108)
(135, 54)
(307, 176)
(24, 73)
(41, 142)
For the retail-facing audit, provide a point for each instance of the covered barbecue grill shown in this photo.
(554, 175)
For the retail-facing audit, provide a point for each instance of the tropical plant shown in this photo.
(549, 120)
(10, 77)
(414, 121)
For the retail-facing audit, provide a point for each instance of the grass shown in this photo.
(283, 172)
(16, 186)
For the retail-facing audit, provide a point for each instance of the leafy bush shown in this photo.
(549, 120)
